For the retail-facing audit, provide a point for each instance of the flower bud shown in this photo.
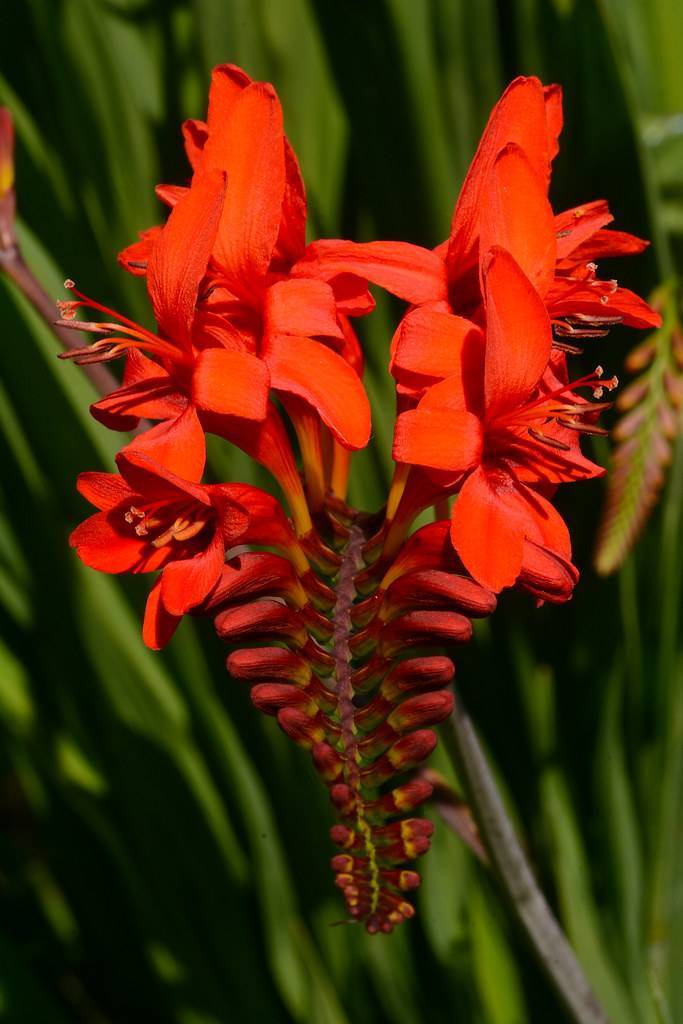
(421, 628)
(261, 620)
(6, 152)
(300, 727)
(425, 709)
(327, 761)
(410, 750)
(271, 698)
(269, 663)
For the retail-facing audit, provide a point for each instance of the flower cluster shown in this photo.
(330, 613)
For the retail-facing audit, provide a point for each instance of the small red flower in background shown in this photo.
(155, 515)
(6, 152)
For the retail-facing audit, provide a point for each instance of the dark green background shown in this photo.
(164, 851)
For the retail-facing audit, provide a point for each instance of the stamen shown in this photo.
(135, 336)
(552, 442)
(133, 513)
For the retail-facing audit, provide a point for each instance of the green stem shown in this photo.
(530, 906)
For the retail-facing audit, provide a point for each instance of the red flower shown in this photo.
(500, 430)
(156, 515)
(252, 309)
(504, 201)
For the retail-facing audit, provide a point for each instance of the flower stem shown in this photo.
(13, 264)
(530, 906)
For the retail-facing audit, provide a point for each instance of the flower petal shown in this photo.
(597, 300)
(148, 392)
(436, 344)
(519, 117)
(487, 529)
(301, 306)
(605, 244)
(572, 227)
(231, 383)
(518, 216)
(181, 253)
(412, 273)
(194, 136)
(552, 96)
(440, 439)
(103, 490)
(156, 483)
(170, 195)
(249, 147)
(159, 625)
(291, 240)
(518, 338)
(134, 258)
(227, 84)
(177, 445)
(309, 369)
(185, 583)
(101, 543)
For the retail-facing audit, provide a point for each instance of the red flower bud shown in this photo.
(420, 628)
(410, 750)
(301, 728)
(425, 709)
(269, 663)
(271, 698)
(261, 620)
(417, 674)
(6, 152)
(343, 798)
(435, 589)
(343, 836)
(327, 761)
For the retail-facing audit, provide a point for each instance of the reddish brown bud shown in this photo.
(327, 761)
(373, 714)
(405, 849)
(261, 620)
(417, 674)
(408, 880)
(421, 628)
(343, 836)
(343, 798)
(345, 881)
(300, 727)
(255, 573)
(342, 862)
(273, 697)
(317, 625)
(6, 152)
(399, 800)
(410, 750)
(411, 795)
(425, 709)
(369, 675)
(547, 575)
(269, 663)
(433, 588)
(319, 593)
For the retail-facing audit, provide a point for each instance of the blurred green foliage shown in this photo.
(163, 854)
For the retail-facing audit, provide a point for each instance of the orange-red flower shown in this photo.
(503, 201)
(500, 429)
(252, 308)
(156, 515)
